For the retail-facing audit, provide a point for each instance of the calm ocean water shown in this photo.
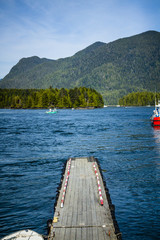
(34, 145)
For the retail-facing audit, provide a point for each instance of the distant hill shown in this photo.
(114, 69)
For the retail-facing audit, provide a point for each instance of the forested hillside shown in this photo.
(60, 98)
(139, 99)
(114, 69)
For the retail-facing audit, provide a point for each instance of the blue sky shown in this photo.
(59, 28)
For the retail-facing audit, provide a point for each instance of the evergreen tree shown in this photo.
(139, 99)
(63, 98)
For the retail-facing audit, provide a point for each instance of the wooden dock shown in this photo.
(83, 210)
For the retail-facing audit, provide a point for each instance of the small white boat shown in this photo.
(52, 110)
(24, 235)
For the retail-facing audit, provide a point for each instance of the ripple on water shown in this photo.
(35, 146)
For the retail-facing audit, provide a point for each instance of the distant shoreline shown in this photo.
(79, 108)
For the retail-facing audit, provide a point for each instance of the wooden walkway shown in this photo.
(82, 210)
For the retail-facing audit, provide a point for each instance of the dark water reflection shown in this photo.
(34, 146)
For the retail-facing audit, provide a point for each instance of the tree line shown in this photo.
(49, 98)
(139, 99)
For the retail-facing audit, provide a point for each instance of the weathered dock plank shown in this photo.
(82, 211)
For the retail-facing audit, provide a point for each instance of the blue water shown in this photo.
(34, 145)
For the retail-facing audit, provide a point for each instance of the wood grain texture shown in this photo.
(82, 216)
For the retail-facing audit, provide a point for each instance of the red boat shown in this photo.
(155, 119)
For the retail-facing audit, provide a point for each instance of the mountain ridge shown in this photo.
(114, 69)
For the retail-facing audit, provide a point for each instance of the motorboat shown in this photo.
(155, 119)
(24, 235)
(52, 110)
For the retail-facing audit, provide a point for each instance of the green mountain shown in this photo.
(114, 69)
